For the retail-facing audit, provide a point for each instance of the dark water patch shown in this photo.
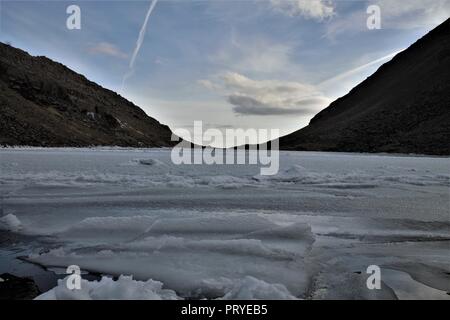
(14, 248)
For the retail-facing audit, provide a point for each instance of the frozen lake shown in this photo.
(224, 231)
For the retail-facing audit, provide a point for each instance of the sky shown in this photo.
(263, 64)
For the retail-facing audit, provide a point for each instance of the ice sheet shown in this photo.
(211, 231)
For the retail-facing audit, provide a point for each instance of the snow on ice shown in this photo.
(10, 223)
(166, 231)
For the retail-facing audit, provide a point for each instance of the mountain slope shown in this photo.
(43, 103)
(403, 107)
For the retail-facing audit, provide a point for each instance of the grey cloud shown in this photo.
(267, 97)
(249, 106)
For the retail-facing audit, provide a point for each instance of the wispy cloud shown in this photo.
(257, 54)
(310, 9)
(267, 97)
(109, 49)
(413, 13)
(395, 15)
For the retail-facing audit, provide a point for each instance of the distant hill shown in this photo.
(403, 107)
(44, 103)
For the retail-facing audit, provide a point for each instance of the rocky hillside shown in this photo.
(43, 103)
(403, 107)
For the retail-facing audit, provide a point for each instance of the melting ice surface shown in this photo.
(223, 231)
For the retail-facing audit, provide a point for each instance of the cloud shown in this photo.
(256, 54)
(108, 49)
(160, 61)
(267, 97)
(396, 15)
(413, 13)
(310, 9)
(209, 84)
(346, 24)
(245, 105)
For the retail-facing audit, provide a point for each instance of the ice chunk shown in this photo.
(10, 223)
(294, 173)
(224, 181)
(210, 225)
(149, 162)
(108, 227)
(406, 288)
(182, 252)
(428, 275)
(337, 284)
(251, 288)
(124, 288)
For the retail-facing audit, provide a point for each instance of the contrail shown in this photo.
(358, 69)
(138, 44)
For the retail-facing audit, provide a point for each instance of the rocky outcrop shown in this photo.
(404, 107)
(17, 288)
(44, 103)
